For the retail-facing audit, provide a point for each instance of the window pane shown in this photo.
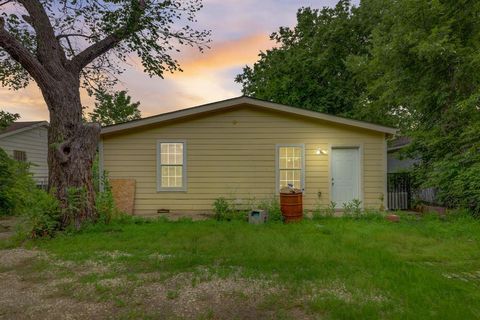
(164, 182)
(164, 153)
(291, 176)
(179, 153)
(290, 158)
(172, 176)
(171, 153)
(164, 158)
(178, 182)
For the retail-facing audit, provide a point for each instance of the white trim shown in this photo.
(277, 165)
(159, 165)
(361, 186)
(33, 126)
(385, 164)
(100, 165)
(235, 102)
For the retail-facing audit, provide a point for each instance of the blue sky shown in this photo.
(240, 30)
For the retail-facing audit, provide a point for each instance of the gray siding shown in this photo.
(394, 164)
(35, 143)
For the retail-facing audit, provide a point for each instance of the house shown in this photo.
(244, 149)
(28, 142)
(395, 163)
(399, 170)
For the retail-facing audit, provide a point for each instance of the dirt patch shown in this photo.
(15, 257)
(24, 300)
(185, 296)
(58, 290)
(7, 227)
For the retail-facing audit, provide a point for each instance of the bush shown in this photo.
(105, 204)
(272, 207)
(352, 208)
(16, 184)
(227, 210)
(41, 215)
(222, 209)
(328, 212)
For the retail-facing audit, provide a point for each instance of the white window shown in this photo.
(290, 166)
(171, 166)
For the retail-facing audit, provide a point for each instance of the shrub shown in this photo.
(352, 208)
(320, 213)
(227, 210)
(105, 204)
(222, 209)
(16, 184)
(41, 215)
(272, 207)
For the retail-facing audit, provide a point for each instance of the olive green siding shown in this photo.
(231, 153)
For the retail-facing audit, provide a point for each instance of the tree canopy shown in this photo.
(64, 45)
(307, 68)
(424, 60)
(7, 118)
(411, 64)
(93, 37)
(114, 108)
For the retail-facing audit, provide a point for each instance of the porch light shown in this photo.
(321, 151)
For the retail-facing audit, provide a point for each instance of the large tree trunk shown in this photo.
(72, 147)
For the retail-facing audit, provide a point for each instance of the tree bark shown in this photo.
(72, 144)
(72, 148)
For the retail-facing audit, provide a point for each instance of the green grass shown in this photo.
(368, 269)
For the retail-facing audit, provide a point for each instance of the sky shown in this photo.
(240, 30)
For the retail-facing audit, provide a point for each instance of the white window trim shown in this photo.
(159, 167)
(277, 165)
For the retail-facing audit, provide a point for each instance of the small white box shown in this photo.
(257, 217)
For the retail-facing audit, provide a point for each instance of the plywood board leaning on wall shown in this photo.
(123, 191)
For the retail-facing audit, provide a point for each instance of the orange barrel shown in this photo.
(291, 205)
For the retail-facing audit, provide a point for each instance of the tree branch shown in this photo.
(109, 42)
(60, 36)
(21, 54)
(5, 2)
(49, 47)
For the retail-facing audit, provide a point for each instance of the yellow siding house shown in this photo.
(246, 150)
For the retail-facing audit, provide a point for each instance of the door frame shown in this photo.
(358, 147)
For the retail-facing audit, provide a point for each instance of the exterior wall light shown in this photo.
(321, 151)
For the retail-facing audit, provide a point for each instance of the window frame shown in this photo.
(277, 164)
(159, 167)
(23, 153)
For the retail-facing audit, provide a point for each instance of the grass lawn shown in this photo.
(333, 268)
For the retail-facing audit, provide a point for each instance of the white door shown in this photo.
(345, 175)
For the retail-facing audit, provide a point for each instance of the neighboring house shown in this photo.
(398, 167)
(245, 149)
(28, 142)
(395, 164)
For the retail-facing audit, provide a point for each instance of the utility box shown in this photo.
(257, 217)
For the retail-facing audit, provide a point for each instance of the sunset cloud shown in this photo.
(240, 29)
(226, 55)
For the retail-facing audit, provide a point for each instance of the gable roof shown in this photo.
(231, 103)
(21, 126)
(399, 143)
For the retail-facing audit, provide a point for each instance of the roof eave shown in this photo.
(244, 100)
(33, 126)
